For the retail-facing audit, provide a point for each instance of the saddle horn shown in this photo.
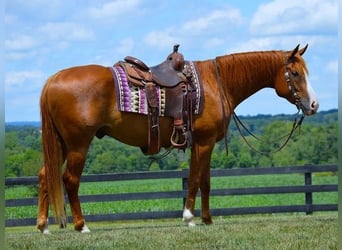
(175, 48)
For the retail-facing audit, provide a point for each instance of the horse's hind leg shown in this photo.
(43, 203)
(71, 179)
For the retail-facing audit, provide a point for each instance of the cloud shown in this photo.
(213, 42)
(162, 39)
(332, 66)
(280, 42)
(112, 9)
(20, 42)
(16, 80)
(116, 51)
(125, 46)
(37, 41)
(69, 31)
(22, 91)
(23, 108)
(206, 30)
(295, 17)
(253, 44)
(38, 10)
(10, 19)
(215, 20)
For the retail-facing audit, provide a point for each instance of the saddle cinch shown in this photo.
(170, 75)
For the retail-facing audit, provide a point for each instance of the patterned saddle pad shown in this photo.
(133, 99)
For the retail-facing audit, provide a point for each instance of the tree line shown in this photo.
(314, 143)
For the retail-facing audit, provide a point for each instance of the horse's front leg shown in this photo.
(205, 191)
(199, 177)
(71, 178)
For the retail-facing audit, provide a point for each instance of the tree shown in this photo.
(315, 143)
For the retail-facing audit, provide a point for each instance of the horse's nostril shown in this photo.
(314, 105)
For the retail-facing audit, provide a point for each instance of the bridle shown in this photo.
(293, 90)
(296, 123)
(291, 87)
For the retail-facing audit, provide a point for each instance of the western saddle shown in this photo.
(170, 75)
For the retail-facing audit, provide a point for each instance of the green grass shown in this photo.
(239, 232)
(176, 204)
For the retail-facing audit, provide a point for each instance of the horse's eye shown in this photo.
(294, 73)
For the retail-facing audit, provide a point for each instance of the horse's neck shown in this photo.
(244, 74)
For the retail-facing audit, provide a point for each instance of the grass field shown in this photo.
(318, 231)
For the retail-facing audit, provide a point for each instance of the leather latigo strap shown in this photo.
(153, 146)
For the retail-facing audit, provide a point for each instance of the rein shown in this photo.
(224, 120)
(296, 123)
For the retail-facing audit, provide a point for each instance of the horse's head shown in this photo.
(292, 83)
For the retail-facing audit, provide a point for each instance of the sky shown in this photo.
(43, 37)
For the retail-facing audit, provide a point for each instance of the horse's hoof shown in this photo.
(85, 229)
(81, 226)
(191, 223)
(43, 227)
(188, 218)
(46, 231)
(207, 221)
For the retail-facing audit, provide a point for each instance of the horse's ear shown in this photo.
(302, 50)
(294, 52)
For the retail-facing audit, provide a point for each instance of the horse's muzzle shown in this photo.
(310, 109)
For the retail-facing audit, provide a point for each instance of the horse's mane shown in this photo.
(248, 66)
(253, 67)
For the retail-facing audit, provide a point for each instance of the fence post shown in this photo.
(308, 195)
(184, 188)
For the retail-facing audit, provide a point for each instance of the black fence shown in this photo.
(307, 189)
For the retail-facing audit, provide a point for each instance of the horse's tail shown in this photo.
(53, 158)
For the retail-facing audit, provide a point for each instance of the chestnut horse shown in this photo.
(80, 102)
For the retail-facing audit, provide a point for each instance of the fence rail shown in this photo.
(307, 189)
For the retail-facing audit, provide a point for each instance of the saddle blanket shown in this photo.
(133, 99)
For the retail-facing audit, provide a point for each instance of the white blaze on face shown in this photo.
(311, 104)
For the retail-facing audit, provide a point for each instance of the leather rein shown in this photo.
(296, 123)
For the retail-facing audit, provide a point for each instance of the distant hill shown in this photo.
(319, 117)
(24, 123)
(10, 126)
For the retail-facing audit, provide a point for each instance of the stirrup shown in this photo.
(174, 138)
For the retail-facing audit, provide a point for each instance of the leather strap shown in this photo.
(153, 146)
(224, 117)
